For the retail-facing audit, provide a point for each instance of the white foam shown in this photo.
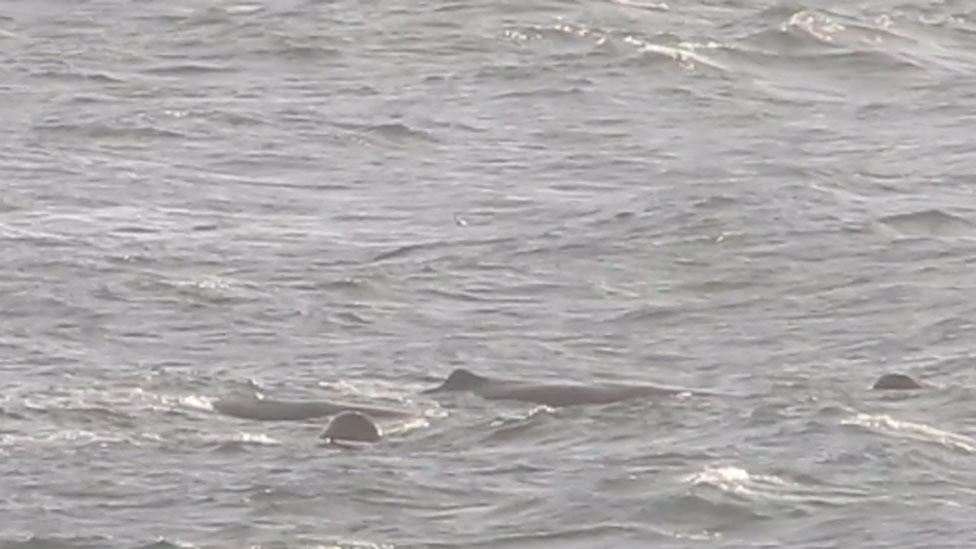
(343, 544)
(515, 416)
(735, 480)
(656, 6)
(360, 544)
(243, 9)
(256, 438)
(177, 543)
(686, 56)
(401, 427)
(197, 402)
(368, 389)
(816, 24)
(915, 431)
(374, 393)
(703, 535)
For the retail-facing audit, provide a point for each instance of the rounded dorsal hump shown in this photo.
(896, 382)
(459, 380)
(462, 379)
(352, 426)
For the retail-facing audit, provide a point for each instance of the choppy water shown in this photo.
(310, 199)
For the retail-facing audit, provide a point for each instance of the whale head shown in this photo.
(460, 380)
(351, 426)
(895, 382)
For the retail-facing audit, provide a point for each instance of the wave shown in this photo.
(817, 38)
(188, 69)
(627, 46)
(243, 440)
(47, 542)
(919, 432)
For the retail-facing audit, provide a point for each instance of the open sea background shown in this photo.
(348, 199)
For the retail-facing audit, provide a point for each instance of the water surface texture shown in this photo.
(302, 199)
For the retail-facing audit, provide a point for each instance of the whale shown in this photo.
(349, 423)
(896, 382)
(287, 410)
(351, 426)
(549, 394)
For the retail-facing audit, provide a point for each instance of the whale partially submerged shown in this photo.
(351, 427)
(896, 382)
(550, 394)
(350, 422)
(354, 423)
(286, 410)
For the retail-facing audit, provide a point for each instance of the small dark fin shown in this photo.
(895, 382)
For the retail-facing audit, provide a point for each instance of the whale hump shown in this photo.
(351, 426)
(896, 382)
(460, 380)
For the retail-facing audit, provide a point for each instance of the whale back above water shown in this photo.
(351, 427)
(284, 410)
(461, 380)
(549, 394)
(895, 382)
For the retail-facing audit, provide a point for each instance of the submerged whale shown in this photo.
(285, 410)
(889, 382)
(549, 394)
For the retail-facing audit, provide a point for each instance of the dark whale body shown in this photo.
(284, 410)
(351, 423)
(351, 427)
(549, 394)
(896, 382)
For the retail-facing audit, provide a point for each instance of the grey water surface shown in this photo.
(313, 199)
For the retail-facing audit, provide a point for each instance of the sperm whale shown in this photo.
(549, 394)
(286, 410)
